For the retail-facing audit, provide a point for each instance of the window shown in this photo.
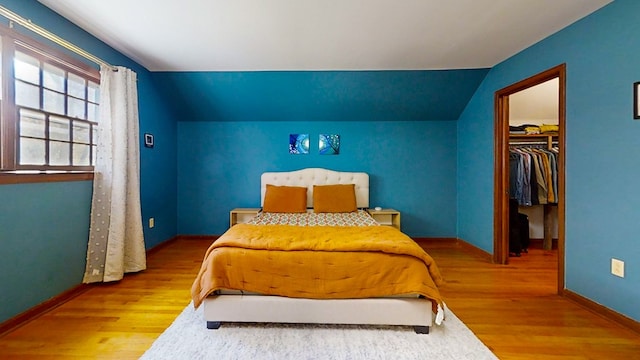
(49, 108)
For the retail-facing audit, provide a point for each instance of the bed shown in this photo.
(314, 256)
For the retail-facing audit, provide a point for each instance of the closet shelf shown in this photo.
(526, 136)
(548, 139)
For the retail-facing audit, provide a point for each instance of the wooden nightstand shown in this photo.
(388, 217)
(242, 215)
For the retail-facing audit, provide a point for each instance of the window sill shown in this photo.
(23, 177)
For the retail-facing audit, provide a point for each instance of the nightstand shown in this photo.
(242, 215)
(388, 217)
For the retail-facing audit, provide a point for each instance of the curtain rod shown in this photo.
(53, 37)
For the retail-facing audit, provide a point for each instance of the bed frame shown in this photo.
(236, 306)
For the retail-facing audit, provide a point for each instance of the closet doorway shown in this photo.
(501, 170)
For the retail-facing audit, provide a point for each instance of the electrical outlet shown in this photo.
(152, 223)
(617, 267)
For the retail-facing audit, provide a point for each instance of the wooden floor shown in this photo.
(512, 309)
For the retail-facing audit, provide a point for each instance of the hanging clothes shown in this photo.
(533, 175)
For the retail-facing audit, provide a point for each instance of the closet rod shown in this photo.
(53, 37)
(531, 143)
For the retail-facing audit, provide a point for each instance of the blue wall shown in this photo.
(323, 95)
(43, 235)
(602, 141)
(44, 227)
(412, 167)
(236, 126)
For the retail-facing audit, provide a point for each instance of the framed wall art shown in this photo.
(329, 144)
(298, 144)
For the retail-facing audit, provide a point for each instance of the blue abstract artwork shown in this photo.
(298, 144)
(329, 144)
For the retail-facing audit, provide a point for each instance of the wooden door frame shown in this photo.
(501, 169)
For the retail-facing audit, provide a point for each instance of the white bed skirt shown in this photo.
(411, 311)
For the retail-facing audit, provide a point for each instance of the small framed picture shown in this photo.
(636, 101)
(329, 144)
(148, 140)
(299, 144)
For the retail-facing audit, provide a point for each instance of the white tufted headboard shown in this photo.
(317, 176)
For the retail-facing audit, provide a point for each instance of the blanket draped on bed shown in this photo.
(320, 262)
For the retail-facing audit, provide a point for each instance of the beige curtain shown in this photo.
(116, 241)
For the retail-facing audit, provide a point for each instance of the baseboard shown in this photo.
(160, 246)
(465, 246)
(435, 240)
(602, 310)
(42, 308)
(470, 248)
(38, 310)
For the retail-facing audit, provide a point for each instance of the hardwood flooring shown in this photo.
(515, 311)
(512, 309)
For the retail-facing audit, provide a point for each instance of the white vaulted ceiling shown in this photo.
(217, 35)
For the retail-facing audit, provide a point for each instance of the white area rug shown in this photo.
(188, 338)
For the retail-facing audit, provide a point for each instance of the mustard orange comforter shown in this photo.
(319, 262)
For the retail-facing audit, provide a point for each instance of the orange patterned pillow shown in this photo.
(334, 198)
(285, 199)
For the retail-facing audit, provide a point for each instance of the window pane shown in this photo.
(53, 78)
(75, 108)
(76, 86)
(92, 112)
(27, 95)
(93, 155)
(81, 154)
(31, 152)
(93, 92)
(53, 102)
(59, 129)
(59, 153)
(26, 68)
(52, 99)
(81, 132)
(31, 124)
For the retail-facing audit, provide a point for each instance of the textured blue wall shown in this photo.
(158, 165)
(44, 227)
(323, 95)
(237, 127)
(412, 167)
(602, 139)
(43, 235)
